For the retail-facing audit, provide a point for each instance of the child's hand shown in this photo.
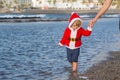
(89, 28)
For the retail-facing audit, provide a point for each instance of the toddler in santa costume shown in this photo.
(72, 39)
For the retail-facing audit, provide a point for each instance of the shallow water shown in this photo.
(29, 51)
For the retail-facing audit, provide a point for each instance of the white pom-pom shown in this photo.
(72, 13)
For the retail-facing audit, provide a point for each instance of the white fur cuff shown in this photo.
(61, 44)
(89, 28)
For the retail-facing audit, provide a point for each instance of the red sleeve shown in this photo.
(63, 40)
(86, 32)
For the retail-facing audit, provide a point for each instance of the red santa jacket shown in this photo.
(72, 39)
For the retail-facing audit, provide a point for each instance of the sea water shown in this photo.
(50, 16)
(29, 51)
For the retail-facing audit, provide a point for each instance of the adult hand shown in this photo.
(102, 10)
(92, 22)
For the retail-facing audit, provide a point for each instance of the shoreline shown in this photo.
(106, 70)
(63, 11)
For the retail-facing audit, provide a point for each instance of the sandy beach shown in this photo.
(107, 70)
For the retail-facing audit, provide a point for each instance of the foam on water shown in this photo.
(22, 15)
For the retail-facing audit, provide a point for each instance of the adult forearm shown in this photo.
(104, 8)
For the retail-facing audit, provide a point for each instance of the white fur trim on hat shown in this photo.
(72, 13)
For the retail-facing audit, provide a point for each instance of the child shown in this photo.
(72, 39)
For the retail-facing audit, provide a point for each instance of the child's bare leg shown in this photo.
(74, 66)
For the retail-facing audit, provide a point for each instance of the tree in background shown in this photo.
(73, 0)
(118, 3)
(54, 1)
(115, 2)
(101, 1)
(84, 1)
(1, 4)
(90, 1)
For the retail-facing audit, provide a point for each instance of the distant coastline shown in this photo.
(68, 11)
(38, 15)
(62, 11)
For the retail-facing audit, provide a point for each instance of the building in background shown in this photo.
(20, 5)
(63, 4)
(25, 3)
(14, 5)
(44, 4)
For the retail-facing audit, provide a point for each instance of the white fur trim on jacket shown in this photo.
(89, 28)
(61, 44)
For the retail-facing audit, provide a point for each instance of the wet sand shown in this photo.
(107, 70)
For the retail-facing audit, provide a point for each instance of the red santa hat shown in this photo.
(74, 16)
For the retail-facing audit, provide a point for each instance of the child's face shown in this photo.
(76, 25)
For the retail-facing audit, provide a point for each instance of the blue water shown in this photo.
(29, 51)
